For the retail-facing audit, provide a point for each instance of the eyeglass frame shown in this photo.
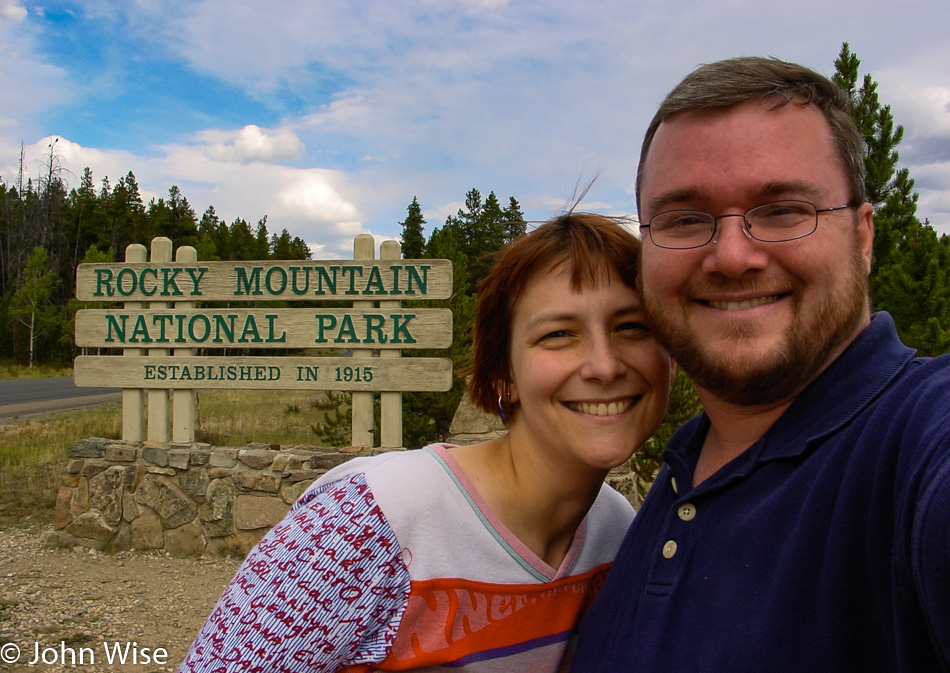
(746, 227)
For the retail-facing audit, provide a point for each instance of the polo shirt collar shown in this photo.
(840, 392)
(848, 385)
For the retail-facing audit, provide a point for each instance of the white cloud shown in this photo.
(478, 5)
(349, 108)
(924, 112)
(12, 11)
(253, 144)
(310, 203)
(933, 105)
(934, 205)
(311, 194)
(318, 205)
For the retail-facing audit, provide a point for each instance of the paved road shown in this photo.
(29, 397)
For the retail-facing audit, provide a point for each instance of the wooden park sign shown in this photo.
(265, 281)
(265, 373)
(159, 319)
(263, 328)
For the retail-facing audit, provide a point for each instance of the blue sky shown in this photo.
(329, 116)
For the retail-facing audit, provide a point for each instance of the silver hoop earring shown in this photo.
(501, 411)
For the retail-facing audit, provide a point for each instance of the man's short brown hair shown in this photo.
(750, 78)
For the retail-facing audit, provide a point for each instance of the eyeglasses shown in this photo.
(770, 222)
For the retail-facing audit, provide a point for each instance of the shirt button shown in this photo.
(686, 511)
(669, 549)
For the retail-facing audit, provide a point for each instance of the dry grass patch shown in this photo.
(34, 452)
(236, 417)
(33, 455)
(10, 371)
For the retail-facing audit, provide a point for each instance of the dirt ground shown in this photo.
(76, 607)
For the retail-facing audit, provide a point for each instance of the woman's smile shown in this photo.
(612, 408)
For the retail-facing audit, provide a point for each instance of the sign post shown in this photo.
(361, 404)
(133, 399)
(183, 400)
(390, 403)
(158, 399)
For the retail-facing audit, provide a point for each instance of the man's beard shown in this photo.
(805, 350)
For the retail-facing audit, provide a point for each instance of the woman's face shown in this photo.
(589, 381)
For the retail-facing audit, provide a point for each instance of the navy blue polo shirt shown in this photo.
(824, 547)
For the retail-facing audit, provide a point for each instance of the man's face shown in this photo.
(754, 322)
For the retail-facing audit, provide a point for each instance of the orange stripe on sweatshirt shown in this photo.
(447, 619)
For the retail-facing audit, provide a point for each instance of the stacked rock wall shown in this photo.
(187, 500)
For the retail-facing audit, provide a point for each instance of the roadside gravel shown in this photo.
(81, 603)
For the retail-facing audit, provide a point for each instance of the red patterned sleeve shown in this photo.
(324, 589)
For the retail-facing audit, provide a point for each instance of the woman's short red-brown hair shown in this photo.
(590, 245)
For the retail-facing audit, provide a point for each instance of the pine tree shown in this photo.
(32, 305)
(515, 225)
(285, 247)
(446, 243)
(910, 265)
(86, 216)
(300, 249)
(11, 218)
(413, 240)
(261, 240)
(126, 216)
(183, 229)
(482, 229)
(209, 230)
(337, 426)
(242, 241)
(53, 194)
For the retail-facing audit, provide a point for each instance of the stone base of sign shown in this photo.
(184, 499)
(202, 500)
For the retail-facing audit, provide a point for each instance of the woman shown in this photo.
(480, 557)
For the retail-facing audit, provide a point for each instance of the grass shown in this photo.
(33, 455)
(10, 371)
(235, 417)
(34, 452)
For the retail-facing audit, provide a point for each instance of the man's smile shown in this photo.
(728, 305)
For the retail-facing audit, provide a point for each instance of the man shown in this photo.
(802, 523)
